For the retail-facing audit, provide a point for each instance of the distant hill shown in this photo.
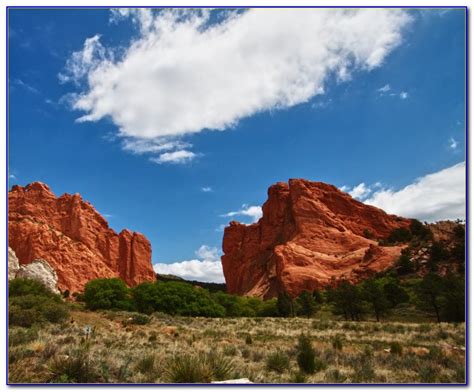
(212, 287)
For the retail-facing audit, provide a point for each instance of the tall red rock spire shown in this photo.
(73, 238)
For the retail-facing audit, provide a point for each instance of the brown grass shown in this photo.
(121, 352)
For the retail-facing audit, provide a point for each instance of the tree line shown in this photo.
(440, 297)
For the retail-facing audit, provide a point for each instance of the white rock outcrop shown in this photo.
(38, 270)
(13, 264)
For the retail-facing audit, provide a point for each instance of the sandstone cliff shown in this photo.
(73, 238)
(310, 234)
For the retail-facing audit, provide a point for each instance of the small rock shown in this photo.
(236, 381)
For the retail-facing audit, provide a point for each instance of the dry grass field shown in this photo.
(184, 349)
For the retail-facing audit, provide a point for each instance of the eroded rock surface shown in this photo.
(310, 235)
(74, 238)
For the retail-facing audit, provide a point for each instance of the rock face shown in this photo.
(13, 264)
(74, 238)
(39, 270)
(310, 235)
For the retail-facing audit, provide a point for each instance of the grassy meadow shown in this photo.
(125, 347)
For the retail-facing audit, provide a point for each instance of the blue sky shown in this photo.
(179, 135)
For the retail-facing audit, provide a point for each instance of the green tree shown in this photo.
(394, 293)
(458, 252)
(373, 292)
(306, 304)
(268, 308)
(453, 302)
(143, 297)
(430, 294)
(399, 235)
(438, 253)
(105, 293)
(346, 299)
(285, 305)
(420, 230)
(404, 265)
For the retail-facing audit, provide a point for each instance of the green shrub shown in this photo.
(363, 369)
(30, 302)
(55, 312)
(21, 286)
(368, 234)
(140, 319)
(175, 298)
(198, 368)
(399, 235)
(428, 374)
(230, 350)
(107, 294)
(404, 265)
(335, 376)
(277, 361)
(268, 308)
(298, 378)
(420, 230)
(148, 366)
(77, 367)
(245, 352)
(396, 348)
(19, 336)
(337, 343)
(23, 317)
(219, 366)
(306, 355)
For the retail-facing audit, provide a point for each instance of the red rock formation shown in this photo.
(73, 238)
(310, 234)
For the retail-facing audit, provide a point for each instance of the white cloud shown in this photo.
(387, 90)
(12, 177)
(384, 89)
(143, 17)
(182, 74)
(207, 268)
(206, 189)
(403, 95)
(359, 191)
(453, 144)
(82, 62)
(433, 197)
(254, 212)
(206, 252)
(144, 146)
(26, 86)
(179, 156)
(220, 228)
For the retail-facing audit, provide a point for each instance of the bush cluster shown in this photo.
(30, 302)
(174, 298)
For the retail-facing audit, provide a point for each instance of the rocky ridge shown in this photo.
(73, 238)
(310, 235)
